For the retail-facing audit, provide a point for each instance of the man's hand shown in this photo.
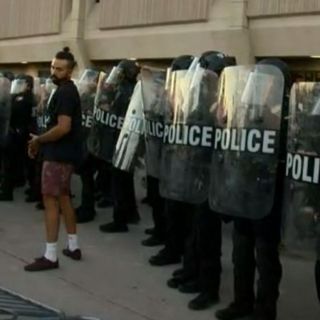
(33, 146)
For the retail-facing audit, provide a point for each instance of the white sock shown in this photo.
(51, 251)
(73, 242)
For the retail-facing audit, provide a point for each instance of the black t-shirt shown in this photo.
(68, 149)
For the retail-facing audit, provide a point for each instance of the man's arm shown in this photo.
(57, 132)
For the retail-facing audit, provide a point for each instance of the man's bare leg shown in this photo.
(68, 214)
(52, 218)
(70, 221)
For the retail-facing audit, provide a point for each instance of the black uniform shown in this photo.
(157, 204)
(123, 194)
(317, 270)
(256, 245)
(14, 152)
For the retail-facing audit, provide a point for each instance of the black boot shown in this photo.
(317, 274)
(113, 227)
(40, 205)
(32, 197)
(152, 242)
(104, 202)
(146, 200)
(191, 286)
(203, 301)
(6, 195)
(178, 272)
(133, 217)
(234, 311)
(85, 215)
(176, 281)
(164, 258)
(149, 231)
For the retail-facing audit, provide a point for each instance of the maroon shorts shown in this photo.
(56, 178)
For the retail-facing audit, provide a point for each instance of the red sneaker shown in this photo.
(42, 264)
(74, 255)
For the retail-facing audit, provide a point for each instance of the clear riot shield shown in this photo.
(111, 103)
(188, 134)
(302, 202)
(36, 102)
(47, 90)
(87, 87)
(18, 86)
(130, 142)
(245, 153)
(153, 88)
(5, 108)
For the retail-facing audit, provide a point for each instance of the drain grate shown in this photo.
(13, 306)
(16, 307)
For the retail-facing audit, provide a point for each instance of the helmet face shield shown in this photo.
(88, 81)
(4, 86)
(18, 86)
(262, 85)
(115, 76)
(258, 88)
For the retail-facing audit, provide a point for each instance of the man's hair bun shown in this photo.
(65, 54)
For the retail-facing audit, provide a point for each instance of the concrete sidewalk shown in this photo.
(114, 281)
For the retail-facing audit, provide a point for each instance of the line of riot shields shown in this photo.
(215, 138)
(227, 138)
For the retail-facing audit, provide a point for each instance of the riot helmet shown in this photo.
(181, 63)
(9, 75)
(216, 61)
(125, 70)
(130, 69)
(4, 86)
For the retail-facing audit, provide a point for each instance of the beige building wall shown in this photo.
(285, 28)
(166, 28)
(157, 30)
(115, 29)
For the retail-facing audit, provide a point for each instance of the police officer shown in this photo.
(317, 270)
(87, 86)
(178, 214)
(5, 110)
(301, 206)
(201, 263)
(256, 212)
(22, 101)
(153, 89)
(124, 202)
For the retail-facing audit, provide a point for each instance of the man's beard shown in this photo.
(57, 81)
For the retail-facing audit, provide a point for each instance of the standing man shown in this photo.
(61, 146)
